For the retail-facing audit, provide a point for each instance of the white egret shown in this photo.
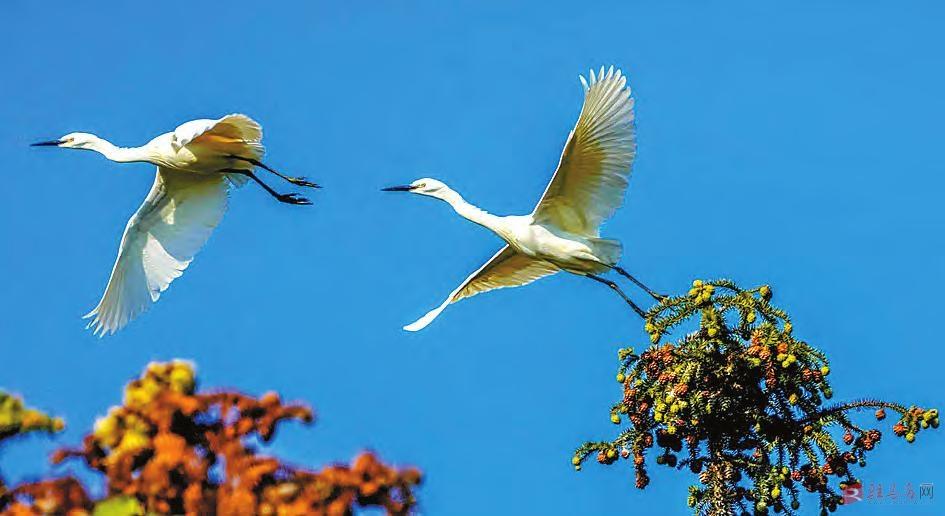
(197, 163)
(562, 233)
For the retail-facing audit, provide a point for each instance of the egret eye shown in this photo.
(422, 185)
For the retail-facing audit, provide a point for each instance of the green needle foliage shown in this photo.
(743, 404)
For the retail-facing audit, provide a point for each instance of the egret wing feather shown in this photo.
(235, 126)
(592, 175)
(507, 268)
(159, 242)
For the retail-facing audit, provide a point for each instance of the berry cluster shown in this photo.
(172, 450)
(17, 419)
(741, 402)
(913, 420)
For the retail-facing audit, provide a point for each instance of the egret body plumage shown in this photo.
(197, 164)
(562, 232)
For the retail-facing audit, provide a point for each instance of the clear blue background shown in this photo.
(798, 145)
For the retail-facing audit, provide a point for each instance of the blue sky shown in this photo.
(794, 145)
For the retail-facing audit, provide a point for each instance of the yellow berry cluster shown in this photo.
(669, 410)
(16, 418)
(653, 331)
(701, 292)
(123, 431)
(786, 359)
(176, 376)
(711, 323)
(913, 420)
(765, 292)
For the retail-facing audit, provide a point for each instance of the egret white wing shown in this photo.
(159, 242)
(236, 127)
(591, 178)
(235, 134)
(507, 268)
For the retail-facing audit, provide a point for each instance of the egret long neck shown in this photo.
(474, 213)
(119, 154)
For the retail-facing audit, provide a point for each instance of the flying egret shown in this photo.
(562, 233)
(197, 163)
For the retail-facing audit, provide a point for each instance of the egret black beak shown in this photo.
(50, 143)
(404, 188)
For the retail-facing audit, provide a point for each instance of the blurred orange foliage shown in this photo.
(172, 450)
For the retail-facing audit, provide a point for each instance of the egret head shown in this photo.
(425, 186)
(71, 141)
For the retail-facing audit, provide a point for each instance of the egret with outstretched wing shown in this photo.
(197, 164)
(563, 232)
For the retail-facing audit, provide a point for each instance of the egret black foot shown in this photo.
(302, 181)
(293, 198)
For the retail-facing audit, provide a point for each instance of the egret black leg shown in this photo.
(616, 289)
(289, 198)
(300, 181)
(625, 274)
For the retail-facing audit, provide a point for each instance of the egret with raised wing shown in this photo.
(197, 164)
(562, 233)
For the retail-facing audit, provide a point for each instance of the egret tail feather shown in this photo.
(237, 180)
(608, 250)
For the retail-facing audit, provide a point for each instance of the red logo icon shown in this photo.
(852, 493)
